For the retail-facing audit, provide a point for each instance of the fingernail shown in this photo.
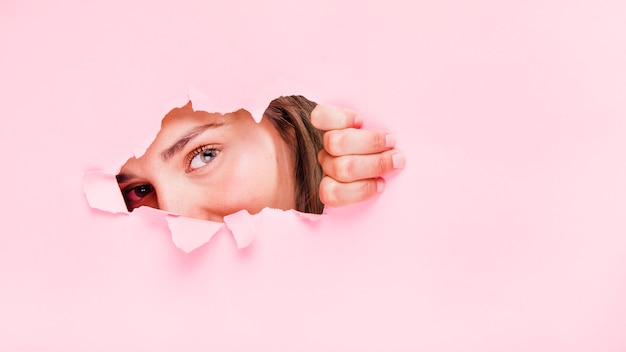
(390, 141)
(398, 161)
(358, 121)
(380, 185)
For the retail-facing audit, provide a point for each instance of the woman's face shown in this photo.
(207, 166)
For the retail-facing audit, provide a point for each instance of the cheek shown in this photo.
(242, 182)
(254, 177)
(252, 181)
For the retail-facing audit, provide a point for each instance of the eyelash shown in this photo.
(197, 152)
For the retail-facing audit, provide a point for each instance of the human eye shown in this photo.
(134, 195)
(201, 157)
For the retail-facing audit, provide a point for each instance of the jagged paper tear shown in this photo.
(103, 193)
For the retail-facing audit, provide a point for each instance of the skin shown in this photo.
(209, 177)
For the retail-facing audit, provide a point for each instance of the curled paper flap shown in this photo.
(242, 226)
(103, 193)
(189, 234)
(153, 216)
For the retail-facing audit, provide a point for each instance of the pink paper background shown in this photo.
(505, 232)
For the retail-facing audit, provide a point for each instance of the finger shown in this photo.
(349, 168)
(354, 141)
(337, 194)
(327, 118)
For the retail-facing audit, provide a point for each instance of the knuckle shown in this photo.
(344, 169)
(382, 165)
(335, 142)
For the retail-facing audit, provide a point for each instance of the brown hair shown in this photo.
(291, 116)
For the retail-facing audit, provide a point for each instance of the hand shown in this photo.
(353, 160)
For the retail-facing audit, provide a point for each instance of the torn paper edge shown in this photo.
(255, 105)
(102, 191)
(189, 234)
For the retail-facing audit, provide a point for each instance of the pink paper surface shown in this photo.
(505, 232)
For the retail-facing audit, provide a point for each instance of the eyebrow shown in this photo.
(182, 142)
(124, 177)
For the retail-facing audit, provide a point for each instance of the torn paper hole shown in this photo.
(207, 165)
(204, 167)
